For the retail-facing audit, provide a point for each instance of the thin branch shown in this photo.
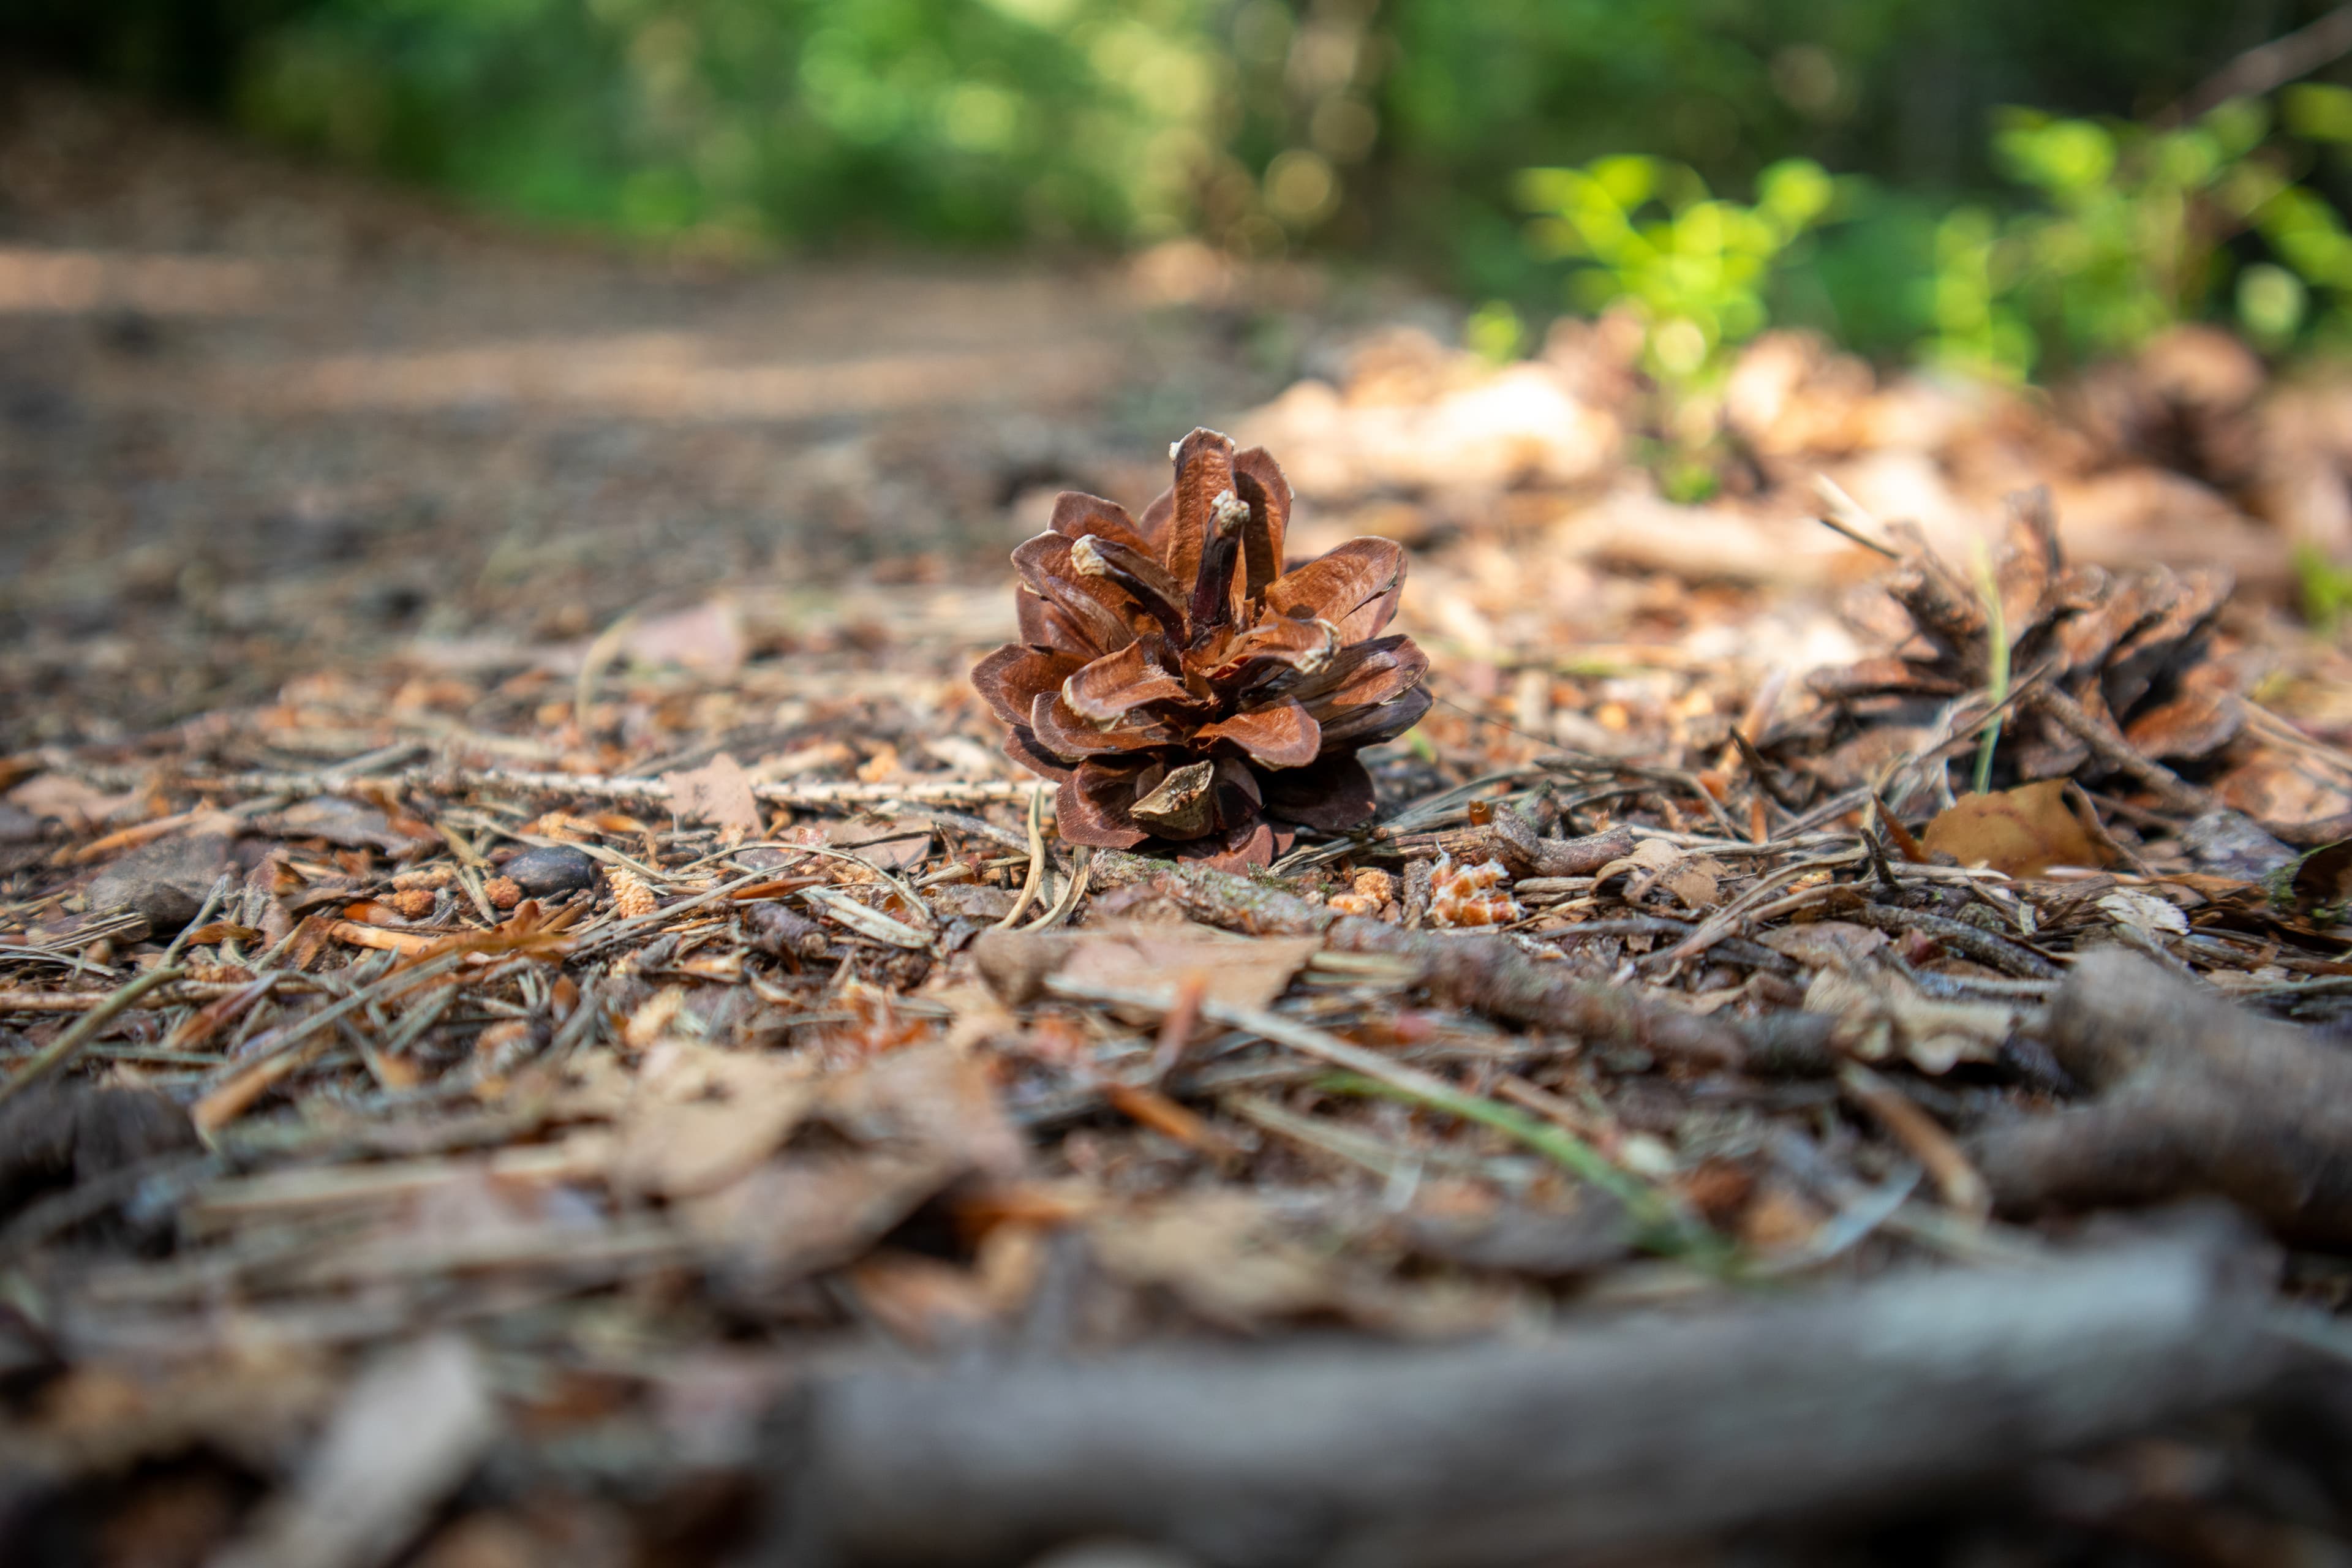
(2268, 67)
(59, 1053)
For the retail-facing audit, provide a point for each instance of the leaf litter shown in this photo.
(469, 1086)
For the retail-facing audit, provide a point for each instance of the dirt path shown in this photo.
(256, 419)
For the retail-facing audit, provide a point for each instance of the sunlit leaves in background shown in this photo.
(2133, 229)
(2117, 231)
(1651, 237)
(737, 122)
(1397, 131)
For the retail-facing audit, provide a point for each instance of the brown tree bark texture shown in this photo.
(1598, 1441)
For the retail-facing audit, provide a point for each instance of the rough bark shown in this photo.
(2193, 1095)
(1605, 1441)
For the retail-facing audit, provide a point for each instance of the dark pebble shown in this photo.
(166, 880)
(557, 868)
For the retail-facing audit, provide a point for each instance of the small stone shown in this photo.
(548, 871)
(503, 893)
(56, 1136)
(414, 903)
(971, 902)
(165, 880)
(17, 826)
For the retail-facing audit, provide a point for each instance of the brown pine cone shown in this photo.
(2129, 646)
(1183, 686)
(2189, 401)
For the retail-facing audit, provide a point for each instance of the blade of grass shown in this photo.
(1997, 640)
(1660, 1224)
(59, 1053)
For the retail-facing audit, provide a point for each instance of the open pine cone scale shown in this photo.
(2130, 646)
(1182, 685)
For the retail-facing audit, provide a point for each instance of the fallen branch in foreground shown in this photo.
(2195, 1096)
(1641, 1433)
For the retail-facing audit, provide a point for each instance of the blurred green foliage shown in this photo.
(2114, 231)
(1653, 239)
(1400, 131)
(2130, 231)
(2326, 589)
(740, 121)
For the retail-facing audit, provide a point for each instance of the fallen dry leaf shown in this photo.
(703, 1117)
(410, 1429)
(707, 639)
(1244, 972)
(2145, 913)
(1224, 1254)
(1819, 942)
(1695, 880)
(2020, 832)
(717, 793)
(350, 823)
(1883, 1014)
(792, 1217)
(70, 800)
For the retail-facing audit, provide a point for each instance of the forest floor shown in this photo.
(537, 1024)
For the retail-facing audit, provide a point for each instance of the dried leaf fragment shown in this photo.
(2021, 832)
(717, 793)
(1882, 1014)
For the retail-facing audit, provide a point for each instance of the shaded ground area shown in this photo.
(250, 417)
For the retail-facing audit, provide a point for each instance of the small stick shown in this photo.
(1611, 1442)
(1847, 518)
(1151, 1109)
(1982, 946)
(1761, 771)
(220, 885)
(129, 837)
(2111, 749)
(1485, 973)
(946, 791)
(58, 1053)
(1176, 1024)
(1036, 876)
(1074, 889)
(1962, 1188)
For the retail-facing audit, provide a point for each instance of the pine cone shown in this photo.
(2128, 646)
(1183, 686)
(2189, 401)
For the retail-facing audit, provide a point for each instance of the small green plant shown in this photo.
(2326, 589)
(1997, 682)
(2135, 230)
(1646, 234)
(2126, 229)
(2128, 239)
(1495, 333)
